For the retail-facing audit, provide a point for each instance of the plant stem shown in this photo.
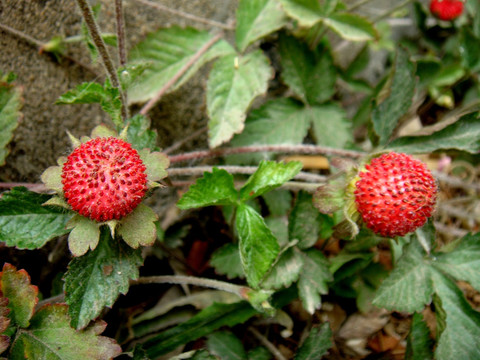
(187, 15)
(265, 342)
(151, 103)
(295, 149)
(23, 36)
(241, 291)
(391, 11)
(122, 48)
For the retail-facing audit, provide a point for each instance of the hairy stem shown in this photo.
(122, 48)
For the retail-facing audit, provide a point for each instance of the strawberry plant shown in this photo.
(331, 212)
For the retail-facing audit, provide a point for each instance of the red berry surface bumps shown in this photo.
(104, 179)
(446, 9)
(395, 195)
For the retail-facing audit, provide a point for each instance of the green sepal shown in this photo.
(57, 201)
(103, 132)
(156, 163)
(84, 235)
(138, 227)
(52, 178)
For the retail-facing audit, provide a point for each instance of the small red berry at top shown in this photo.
(446, 10)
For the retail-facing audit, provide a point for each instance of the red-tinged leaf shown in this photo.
(51, 337)
(4, 322)
(22, 296)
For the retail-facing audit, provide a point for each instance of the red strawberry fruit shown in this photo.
(104, 179)
(395, 194)
(446, 9)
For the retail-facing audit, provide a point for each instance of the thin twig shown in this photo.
(151, 103)
(294, 149)
(187, 15)
(23, 36)
(275, 352)
(122, 48)
(189, 138)
(391, 11)
(357, 5)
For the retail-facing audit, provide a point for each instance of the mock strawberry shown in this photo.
(395, 194)
(104, 179)
(446, 9)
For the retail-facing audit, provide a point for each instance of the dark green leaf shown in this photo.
(310, 74)
(257, 18)
(95, 280)
(317, 343)
(139, 133)
(351, 26)
(269, 175)
(226, 261)
(10, 104)
(470, 49)
(202, 324)
(464, 135)
(203, 355)
(331, 126)
(233, 84)
(139, 353)
(395, 98)
(304, 221)
(278, 202)
(419, 342)
(215, 188)
(258, 246)
(226, 346)
(285, 271)
(259, 353)
(25, 223)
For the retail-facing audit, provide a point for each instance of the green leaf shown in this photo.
(278, 202)
(22, 296)
(138, 228)
(168, 50)
(351, 26)
(215, 188)
(50, 337)
(310, 74)
(285, 271)
(317, 343)
(419, 343)
(409, 286)
(95, 280)
(279, 121)
(84, 235)
(203, 355)
(25, 223)
(233, 84)
(395, 98)
(226, 261)
(331, 126)
(10, 104)
(226, 346)
(257, 18)
(306, 12)
(304, 221)
(461, 135)
(470, 49)
(258, 246)
(461, 330)
(259, 353)
(139, 133)
(202, 324)
(269, 175)
(313, 279)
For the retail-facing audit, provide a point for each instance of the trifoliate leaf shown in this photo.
(419, 342)
(257, 18)
(139, 133)
(138, 228)
(409, 286)
(84, 235)
(50, 337)
(10, 104)
(304, 221)
(226, 261)
(22, 296)
(269, 175)
(215, 188)
(317, 343)
(313, 279)
(95, 280)
(25, 223)
(226, 346)
(233, 84)
(258, 246)
(168, 50)
(285, 271)
(330, 126)
(351, 26)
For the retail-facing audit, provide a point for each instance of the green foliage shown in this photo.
(10, 115)
(139, 133)
(316, 344)
(419, 343)
(226, 261)
(351, 26)
(226, 346)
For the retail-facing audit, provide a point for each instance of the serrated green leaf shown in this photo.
(395, 98)
(226, 261)
(409, 286)
(10, 104)
(215, 188)
(279, 227)
(226, 346)
(25, 223)
(317, 343)
(50, 337)
(331, 126)
(306, 12)
(461, 135)
(304, 221)
(257, 18)
(139, 133)
(459, 336)
(419, 342)
(259, 353)
(233, 84)
(351, 26)
(202, 324)
(279, 121)
(22, 296)
(95, 280)
(278, 202)
(138, 228)
(310, 74)
(313, 279)
(269, 175)
(285, 271)
(168, 50)
(258, 247)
